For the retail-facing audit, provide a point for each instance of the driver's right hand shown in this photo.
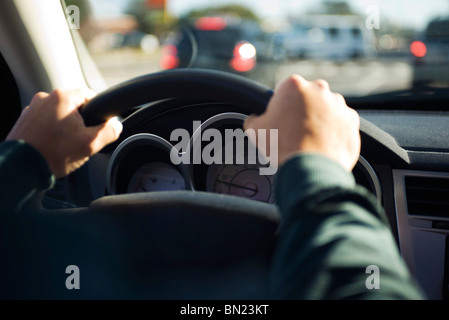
(310, 118)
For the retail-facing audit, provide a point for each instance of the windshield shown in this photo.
(361, 47)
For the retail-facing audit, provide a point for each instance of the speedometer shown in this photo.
(156, 176)
(243, 180)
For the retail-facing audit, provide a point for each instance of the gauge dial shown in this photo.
(243, 180)
(156, 176)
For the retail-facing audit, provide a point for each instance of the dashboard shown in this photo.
(218, 157)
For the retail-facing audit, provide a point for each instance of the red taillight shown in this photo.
(244, 58)
(418, 49)
(169, 59)
(210, 24)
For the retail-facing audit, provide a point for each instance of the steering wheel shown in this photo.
(190, 227)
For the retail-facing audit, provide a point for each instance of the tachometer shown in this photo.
(156, 176)
(243, 180)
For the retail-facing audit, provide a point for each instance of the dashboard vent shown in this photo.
(428, 196)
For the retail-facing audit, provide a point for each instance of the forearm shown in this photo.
(23, 173)
(331, 232)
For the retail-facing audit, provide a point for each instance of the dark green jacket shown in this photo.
(23, 172)
(332, 231)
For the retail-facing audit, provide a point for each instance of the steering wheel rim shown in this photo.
(179, 83)
(198, 211)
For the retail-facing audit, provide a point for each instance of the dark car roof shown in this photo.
(223, 41)
(438, 29)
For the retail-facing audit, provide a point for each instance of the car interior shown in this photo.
(196, 232)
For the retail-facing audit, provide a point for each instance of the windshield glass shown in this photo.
(361, 47)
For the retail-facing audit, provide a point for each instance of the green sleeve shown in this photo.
(331, 231)
(23, 173)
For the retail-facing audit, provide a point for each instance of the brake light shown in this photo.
(210, 24)
(169, 59)
(244, 58)
(418, 49)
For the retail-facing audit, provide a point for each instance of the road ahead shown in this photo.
(354, 78)
(349, 78)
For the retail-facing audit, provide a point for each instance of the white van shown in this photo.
(332, 37)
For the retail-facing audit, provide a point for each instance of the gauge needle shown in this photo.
(237, 185)
(142, 187)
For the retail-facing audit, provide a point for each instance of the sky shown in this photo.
(407, 12)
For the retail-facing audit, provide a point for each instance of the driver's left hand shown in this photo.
(53, 126)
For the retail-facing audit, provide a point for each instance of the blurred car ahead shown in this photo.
(431, 54)
(226, 44)
(330, 37)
